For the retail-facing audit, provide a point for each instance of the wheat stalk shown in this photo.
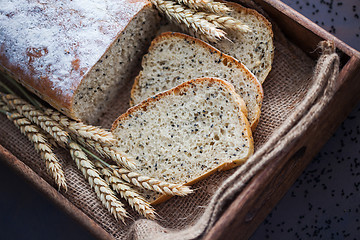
(119, 157)
(135, 200)
(38, 117)
(206, 5)
(190, 18)
(35, 135)
(110, 152)
(145, 182)
(81, 129)
(96, 138)
(149, 183)
(102, 189)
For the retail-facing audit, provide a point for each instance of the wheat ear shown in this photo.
(110, 152)
(190, 18)
(3, 106)
(102, 189)
(96, 138)
(206, 5)
(35, 135)
(81, 129)
(149, 183)
(135, 200)
(226, 22)
(38, 117)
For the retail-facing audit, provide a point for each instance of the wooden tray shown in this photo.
(250, 208)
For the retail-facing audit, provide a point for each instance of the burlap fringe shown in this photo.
(320, 93)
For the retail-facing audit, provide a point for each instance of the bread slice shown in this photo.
(254, 49)
(188, 132)
(174, 57)
(73, 56)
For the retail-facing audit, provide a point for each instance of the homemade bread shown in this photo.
(75, 54)
(188, 132)
(175, 57)
(254, 49)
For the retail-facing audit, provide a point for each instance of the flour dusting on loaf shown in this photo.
(185, 133)
(52, 46)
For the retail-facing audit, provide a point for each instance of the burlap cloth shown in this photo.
(295, 91)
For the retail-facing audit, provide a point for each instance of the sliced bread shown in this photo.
(188, 132)
(174, 57)
(254, 49)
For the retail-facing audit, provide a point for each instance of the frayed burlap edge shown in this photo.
(321, 91)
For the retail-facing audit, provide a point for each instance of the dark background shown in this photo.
(324, 203)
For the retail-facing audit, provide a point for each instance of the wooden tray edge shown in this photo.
(309, 25)
(49, 191)
(254, 203)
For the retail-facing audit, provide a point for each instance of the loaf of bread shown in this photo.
(188, 132)
(75, 54)
(174, 57)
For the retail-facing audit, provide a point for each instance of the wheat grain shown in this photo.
(190, 18)
(149, 183)
(3, 106)
(91, 132)
(226, 22)
(63, 120)
(51, 140)
(102, 189)
(216, 7)
(119, 157)
(110, 152)
(206, 5)
(96, 138)
(35, 135)
(38, 117)
(135, 200)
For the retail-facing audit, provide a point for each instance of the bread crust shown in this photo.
(225, 59)
(242, 113)
(45, 83)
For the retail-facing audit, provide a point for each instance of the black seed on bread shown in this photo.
(175, 57)
(254, 49)
(188, 132)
